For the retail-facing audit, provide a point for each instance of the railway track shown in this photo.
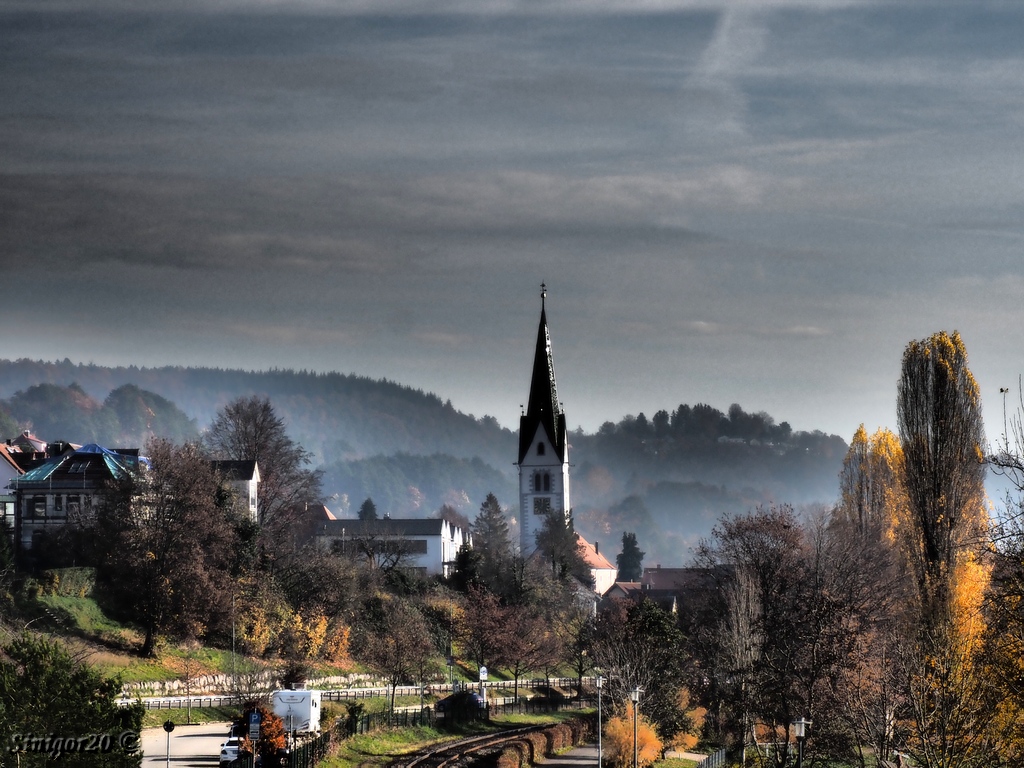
(452, 753)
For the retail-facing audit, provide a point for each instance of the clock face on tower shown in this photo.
(541, 505)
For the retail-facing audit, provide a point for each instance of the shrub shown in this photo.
(618, 740)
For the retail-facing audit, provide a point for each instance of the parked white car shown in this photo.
(229, 751)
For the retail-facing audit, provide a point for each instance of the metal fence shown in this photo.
(717, 760)
(413, 716)
(347, 694)
(366, 722)
(511, 706)
(307, 754)
(311, 753)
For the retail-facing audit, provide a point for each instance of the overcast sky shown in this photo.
(730, 202)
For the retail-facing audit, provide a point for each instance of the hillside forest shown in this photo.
(667, 477)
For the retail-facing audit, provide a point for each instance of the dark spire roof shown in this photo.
(543, 408)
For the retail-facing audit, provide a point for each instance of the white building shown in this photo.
(243, 477)
(427, 547)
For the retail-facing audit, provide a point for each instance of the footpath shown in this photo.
(585, 756)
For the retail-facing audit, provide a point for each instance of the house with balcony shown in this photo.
(66, 488)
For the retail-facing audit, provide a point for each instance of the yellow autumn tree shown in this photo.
(886, 465)
(304, 636)
(259, 627)
(336, 643)
(942, 538)
(618, 744)
(872, 491)
(688, 739)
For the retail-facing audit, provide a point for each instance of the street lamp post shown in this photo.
(600, 755)
(634, 696)
(800, 729)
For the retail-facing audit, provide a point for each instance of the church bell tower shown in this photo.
(543, 447)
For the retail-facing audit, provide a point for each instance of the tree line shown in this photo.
(891, 621)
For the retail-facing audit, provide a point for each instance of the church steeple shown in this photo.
(543, 445)
(543, 409)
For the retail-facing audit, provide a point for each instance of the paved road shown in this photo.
(192, 746)
(585, 756)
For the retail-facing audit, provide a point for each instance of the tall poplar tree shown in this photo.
(939, 414)
(940, 426)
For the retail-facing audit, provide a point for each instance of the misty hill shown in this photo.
(667, 478)
(334, 416)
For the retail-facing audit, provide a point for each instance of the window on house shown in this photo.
(547, 482)
(36, 507)
(540, 449)
(58, 503)
(74, 504)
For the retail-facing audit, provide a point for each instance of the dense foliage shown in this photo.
(165, 542)
(45, 692)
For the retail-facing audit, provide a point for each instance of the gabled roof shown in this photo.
(591, 556)
(234, 471)
(7, 458)
(28, 442)
(543, 409)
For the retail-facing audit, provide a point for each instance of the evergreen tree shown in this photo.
(558, 542)
(640, 645)
(630, 560)
(368, 510)
(44, 690)
(493, 543)
(8, 424)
